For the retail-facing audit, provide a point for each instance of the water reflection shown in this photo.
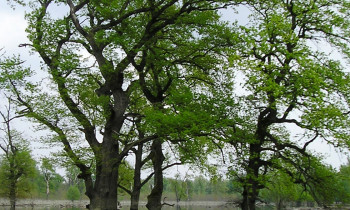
(177, 207)
(203, 207)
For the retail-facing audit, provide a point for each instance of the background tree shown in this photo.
(73, 193)
(179, 187)
(344, 179)
(17, 166)
(48, 171)
(72, 173)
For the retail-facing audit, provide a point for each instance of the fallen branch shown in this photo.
(166, 204)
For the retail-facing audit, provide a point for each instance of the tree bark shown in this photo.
(187, 192)
(13, 194)
(177, 194)
(13, 181)
(252, 185)
(279, 204)
(155, 197)
(249, 198)
(244, 203)
(47, 189)
(104, 195)
(135, 197)
(135, 193)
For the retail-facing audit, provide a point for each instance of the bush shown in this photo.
(73, 193)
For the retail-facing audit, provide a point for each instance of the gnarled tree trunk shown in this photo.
(249, 197)
(103, 194)
(252, 185)
(154, 199)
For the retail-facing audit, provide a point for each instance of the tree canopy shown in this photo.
(139, 77)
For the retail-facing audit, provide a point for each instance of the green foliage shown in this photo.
(125, 176)
(48, 171)
(281, 190)
(12, 72)
(47, 167)
(283, 70)
(73, 193)
(344, 184)
(317, 182)
(56, 184)
(322, 183)
(294, 95)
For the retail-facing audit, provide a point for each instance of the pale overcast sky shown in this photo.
(12, 25)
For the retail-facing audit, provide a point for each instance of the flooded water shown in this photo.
(141, 208)
(126, 208)
(68, 205)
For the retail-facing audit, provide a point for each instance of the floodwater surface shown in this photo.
(78, 205)
(143, 208)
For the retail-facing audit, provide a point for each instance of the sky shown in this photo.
(13, 25)
(12, 34)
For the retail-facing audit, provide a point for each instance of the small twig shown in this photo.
(25, 45)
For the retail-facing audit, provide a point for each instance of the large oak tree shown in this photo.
(295, 93)
(95, 56)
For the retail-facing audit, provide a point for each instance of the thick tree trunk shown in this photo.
(135, 197)
(249, 199)
(154, 199)
(104, 201)
(251, 187)
(135, 193)
(279, 204)
(103, 191)
(251, 203)
(244, 203)
(104, 195)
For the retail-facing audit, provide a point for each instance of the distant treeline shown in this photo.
(281, 189)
